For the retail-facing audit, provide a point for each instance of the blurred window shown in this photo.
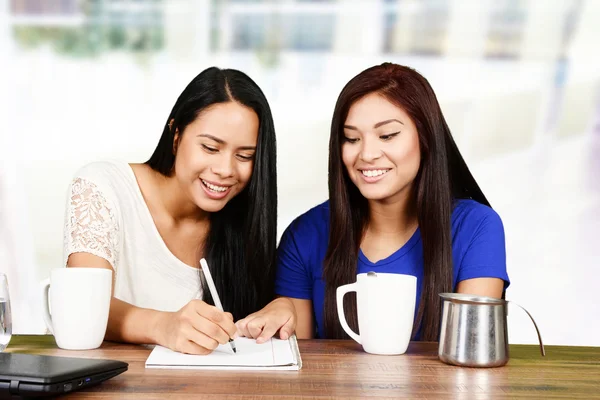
(297, 32)
(507, 20)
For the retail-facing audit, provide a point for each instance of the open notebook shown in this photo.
(275, 354)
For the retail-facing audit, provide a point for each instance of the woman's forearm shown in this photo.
(131, 324)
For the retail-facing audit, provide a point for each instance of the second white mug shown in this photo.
(76, 306)
(386, 309)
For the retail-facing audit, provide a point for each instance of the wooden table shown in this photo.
(340, 369)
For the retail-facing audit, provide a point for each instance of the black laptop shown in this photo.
(28, 375)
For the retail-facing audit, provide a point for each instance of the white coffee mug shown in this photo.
(77, 311)
(386, 310)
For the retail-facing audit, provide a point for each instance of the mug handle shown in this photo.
(46, 305)
(340, 292)
(542, 350)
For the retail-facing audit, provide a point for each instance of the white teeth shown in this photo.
(214, 188)
(374, 172)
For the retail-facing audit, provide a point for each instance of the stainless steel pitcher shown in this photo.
(474, 331)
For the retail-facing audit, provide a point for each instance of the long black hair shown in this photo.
(443, 176)
(240, 247)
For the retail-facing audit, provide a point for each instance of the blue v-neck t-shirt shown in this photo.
(478, 251)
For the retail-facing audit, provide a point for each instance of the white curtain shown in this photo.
(16, 246)
(17, 257)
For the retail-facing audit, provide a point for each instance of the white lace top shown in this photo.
(107, 216)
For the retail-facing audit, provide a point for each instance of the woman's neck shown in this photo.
(391, 225)
(175, 202)
(396, 216)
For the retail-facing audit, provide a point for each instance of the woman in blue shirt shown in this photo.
(401, 200)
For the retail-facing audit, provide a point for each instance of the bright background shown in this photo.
(518, 80)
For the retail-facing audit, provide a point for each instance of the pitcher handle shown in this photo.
(542, 350)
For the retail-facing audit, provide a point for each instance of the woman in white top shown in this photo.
(209, 190)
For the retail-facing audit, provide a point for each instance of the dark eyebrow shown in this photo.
(387, 121)
(216, 139)
(377, 125)
(247, 148)
(221, 141)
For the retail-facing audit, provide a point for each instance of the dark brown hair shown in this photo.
(442, 177)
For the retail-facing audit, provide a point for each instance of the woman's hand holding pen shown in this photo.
(198, 328)
(278, 315)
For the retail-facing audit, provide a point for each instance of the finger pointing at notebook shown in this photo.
(197, 328)
(279, 315)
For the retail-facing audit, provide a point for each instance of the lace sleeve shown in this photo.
(90, 223)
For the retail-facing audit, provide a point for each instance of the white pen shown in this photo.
(214, 294)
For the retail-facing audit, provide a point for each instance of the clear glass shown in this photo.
(5, 316)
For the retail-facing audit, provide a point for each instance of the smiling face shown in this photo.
(381, 148)
(215, 154)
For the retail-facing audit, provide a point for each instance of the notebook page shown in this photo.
(283, 352)
(274, 352)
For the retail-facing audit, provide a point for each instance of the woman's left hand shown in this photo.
(278, 315)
